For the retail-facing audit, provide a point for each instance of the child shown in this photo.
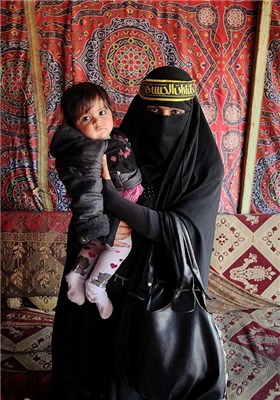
(78, 147)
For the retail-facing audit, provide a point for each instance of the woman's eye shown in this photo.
(176, 112)
(153, 109)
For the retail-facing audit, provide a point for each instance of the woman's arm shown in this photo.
(142, 219)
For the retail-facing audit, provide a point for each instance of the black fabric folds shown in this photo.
(189, 186)
(191, 183)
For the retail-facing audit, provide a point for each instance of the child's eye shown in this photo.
(102, 112)
(85, 118)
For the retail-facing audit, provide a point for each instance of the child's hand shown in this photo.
(105, 170)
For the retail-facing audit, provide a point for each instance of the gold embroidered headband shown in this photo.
(167, 90)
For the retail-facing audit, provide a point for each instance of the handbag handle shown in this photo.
(190, 289)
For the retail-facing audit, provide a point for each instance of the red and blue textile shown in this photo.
(48, 45)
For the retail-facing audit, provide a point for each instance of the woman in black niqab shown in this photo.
(182, 174)
(178, 156)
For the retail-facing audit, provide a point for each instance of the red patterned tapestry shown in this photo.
(266, 186)
(48, 45)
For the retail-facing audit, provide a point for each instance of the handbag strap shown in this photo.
(190, 288)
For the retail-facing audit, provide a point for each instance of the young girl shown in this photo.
(78, 147)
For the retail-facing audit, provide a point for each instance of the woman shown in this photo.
(182, 175)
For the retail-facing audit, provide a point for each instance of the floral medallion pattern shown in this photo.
(115, 44)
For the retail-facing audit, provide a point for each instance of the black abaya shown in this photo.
(189, 186)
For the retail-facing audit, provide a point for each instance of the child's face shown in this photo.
(97, 122)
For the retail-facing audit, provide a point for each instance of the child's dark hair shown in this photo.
(78, 99)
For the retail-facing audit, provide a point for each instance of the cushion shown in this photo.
(43, 303)
(33, 252)
(252, 345)
(26, 340)
(245, 267)
(25, 385)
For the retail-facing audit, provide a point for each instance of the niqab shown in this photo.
(160, 136)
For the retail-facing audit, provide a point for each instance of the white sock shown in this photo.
(98, 295)
(76, 285)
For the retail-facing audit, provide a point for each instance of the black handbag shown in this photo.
(171, 350)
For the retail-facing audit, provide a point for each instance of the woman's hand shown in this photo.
(105, 170)
(123, 230)
(122, 233)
